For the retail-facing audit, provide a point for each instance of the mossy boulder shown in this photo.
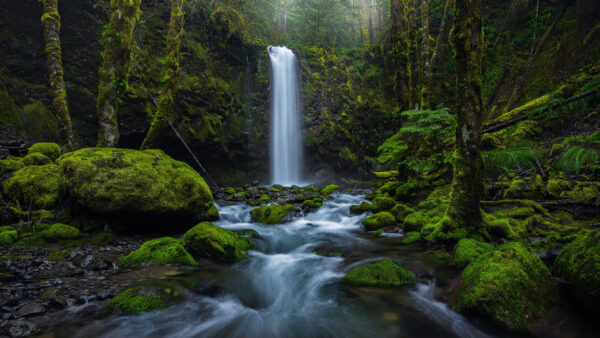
(8, 237)
(382, 204)
(509, 285)
(212, 214)
(401, 210)
(36, 159)
(165, 250)
(526, 188)
(579, 262)
(37, 185)
(361, 208)
(10, 164)
(379, 220)
(385, 273)
(211, 241)
(60, 231)
(142, 299)
(273, 214)
(467, 250)
(312, 204)
(415, 221)
(146, 185)
(411, 237)
(103, 239)
(50, 150)
(58, 256)
(329, 189)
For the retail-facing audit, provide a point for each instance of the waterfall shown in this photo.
(286, 145)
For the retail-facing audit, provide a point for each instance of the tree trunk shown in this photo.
(166, 101)
(425, 54)
(51, 22)
(467, 187)
(400, 47)
(114, 73)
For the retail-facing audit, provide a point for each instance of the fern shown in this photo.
(510, 159)
(576, 158)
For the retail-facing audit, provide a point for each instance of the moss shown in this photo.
(384, 273)
(406, 191)
(509, 285)
(51, 150)
(389, 189)
(312, 204)
(8, 237)
(35, 240)
(401, 210)
(329, 189)
(137, 300)
(385, 175)
(36, 159)
(361, 208)
(525, 188)
(579, 262)
(58, 256)
(60, 231)
(212, 214)
(415, 221)
(103, 239)
(37, 185)
(264, 198)
(467, 250)
(115, 181)
(211, 241)
(272, 214)
(10, 164)
(411, 237)
(379, 220)
(557, 186)
(382, 204)
(164, 250)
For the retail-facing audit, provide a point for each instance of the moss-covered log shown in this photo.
(51, 23)
(118, 37)
(171, 62)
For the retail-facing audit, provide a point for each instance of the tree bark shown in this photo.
(424, 97)
(467, 187)
(169, 80)
(51, 23)
(114, 73)
(400, 47)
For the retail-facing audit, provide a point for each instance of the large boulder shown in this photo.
(379, 220)
(273, 214)
(50, 150)
(211, 241)
(34, 185)
(165, 250)
(467, 250)
(384, 273)
(579, 262)
(148, 187)
(509, 285)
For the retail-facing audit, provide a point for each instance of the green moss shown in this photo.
(509, 285)
(272, 214)
(467, 250)
(329, 189)
(137, 300)
(37, 185)
(264, 198)
(384, 273)
(115, 181)
(212, 214)
(411, 237)
(415, 221)
(31, 241)
(164, 250)
(525, 188)
(58, 256)
(103, 239)
(389, 189)
(361, 208)
(401, 210)
(382, 204)
(8, 237)
(50, 150)
(379, 220)
(10, 164)
(516, 212)
(579, 262)
(60, 231)
(312, 204)
(209, 240)
(557, 186)
(385, 175)
(36, 159)
(406, 191)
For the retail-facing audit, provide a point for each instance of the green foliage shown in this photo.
(384, 273)
(576, 158)
(507, 160)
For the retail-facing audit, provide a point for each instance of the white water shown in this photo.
(286, 145)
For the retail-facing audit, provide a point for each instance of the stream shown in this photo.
(284, 289)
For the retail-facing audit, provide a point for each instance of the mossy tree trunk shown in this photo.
(169, 80)
(51, 23)
(400, 47)
(425, 52)
(118, 36)
(467, 187)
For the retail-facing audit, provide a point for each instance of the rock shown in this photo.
(579, 262)
(329, 189)
(20, 328)
(384, 273)
(411, 237)
(379, 220)
(382, 204)
(50, 150)
(36, 159)
(467, 250)
(526, 188)
(31, 309)
(211, 241)
(273, 214)
(60, 231)
(415, 221)
(147, 186)
(165, 250)
(509, 285)
(10, 164)
(141, 299)
(361, 208)
(37, 184)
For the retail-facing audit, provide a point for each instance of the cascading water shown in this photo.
(286, 146)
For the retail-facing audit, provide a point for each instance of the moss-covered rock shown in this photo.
(212, 214)
(211, 241)
(361, 208)
(467, 250)
(411, 237)
(36, 159)
(379, 220)
(8, 237)
(165, 250)
(382, 204)
(37, 185)
(103, 239)
(51, 150)
(385, 273)
(141, 299)
(401, 210)
(527, 188)
(509, 285)
(312, 204)
(149, 184)
(10, 164)
(58, 256)
(329, 189)
(415, 221)
(60, 231)
(273, 214)
(579, 262)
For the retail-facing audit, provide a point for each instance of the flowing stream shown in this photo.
(286, 146)
(284, 289)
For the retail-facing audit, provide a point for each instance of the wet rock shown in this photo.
(31, 309)
(20, 328)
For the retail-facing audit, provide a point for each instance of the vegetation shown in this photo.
(384, 273)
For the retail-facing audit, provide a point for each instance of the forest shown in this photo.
(300, 168)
